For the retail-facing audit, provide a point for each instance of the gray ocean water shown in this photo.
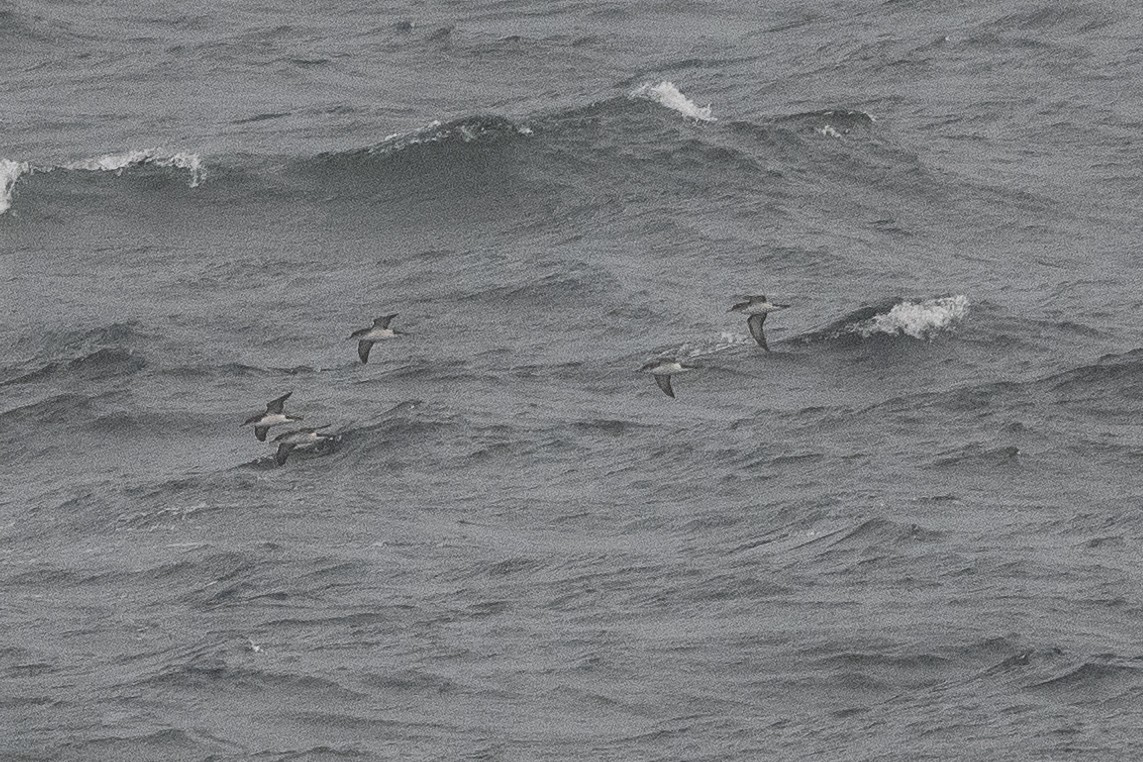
(910, 532)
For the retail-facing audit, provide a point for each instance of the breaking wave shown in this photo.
(668, 95)
(489, 156)
(11, 171)
(136, 158)
(917, 319)
(921, 319)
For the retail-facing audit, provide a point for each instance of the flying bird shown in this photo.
(757, 307)
(662, 369)
(275, 415)
(366, 337)
(299, 438)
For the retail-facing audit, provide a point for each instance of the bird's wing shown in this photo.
(383, 322)
(363, 348)
(260, 432)
(282, 453)
(276, 406)
(664, 382)
(754, 323)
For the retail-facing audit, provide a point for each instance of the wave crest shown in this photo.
(919, 320)
(117, 162)
(10, 172)
(469, 129)
(667, 94)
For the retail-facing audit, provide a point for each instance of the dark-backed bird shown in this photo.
(379, 331)
(757, 307)
(275, 415)
(662, 369)
(299, 438)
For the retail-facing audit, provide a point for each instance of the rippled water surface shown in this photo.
(908, 532)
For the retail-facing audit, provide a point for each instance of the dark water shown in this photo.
(910, 532)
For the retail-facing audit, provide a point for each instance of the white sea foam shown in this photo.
(117, 162)
(10, 172)
(917, 319)
(191, 162)
(666, 94)
(110, 162)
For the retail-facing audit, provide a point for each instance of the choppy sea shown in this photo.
(909, 532)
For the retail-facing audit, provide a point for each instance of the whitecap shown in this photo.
(117, 162)
(666, 94)
(191, 162)
(919, 320)
(10, 172)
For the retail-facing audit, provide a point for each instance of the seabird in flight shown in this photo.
(299, 438)
(662, 369)
(376, 332)
(757, 307)
(275, 415)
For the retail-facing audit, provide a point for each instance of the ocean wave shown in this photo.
(99, 352)
(482, 128)
(106, 362)
(1111, 380)
(569, 151)
(394, 428)
(1079, 18)
(72, 342)
(917, 319)
(546, 158)
(833, 122)
(667, 94)
(11, 171)
(1098, 676)
(118, 162)
(978, 455)
(100, 364)
(568, 286)
(453, 164)
(60, 408)
(1106, 388)
(693, 350)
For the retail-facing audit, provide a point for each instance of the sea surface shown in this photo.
(912, 531)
